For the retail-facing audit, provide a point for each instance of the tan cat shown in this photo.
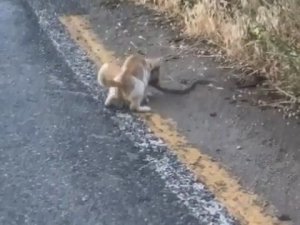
(128, 83)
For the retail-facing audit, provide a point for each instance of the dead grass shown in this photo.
(263, 34)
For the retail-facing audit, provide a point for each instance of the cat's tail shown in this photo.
(103, 80)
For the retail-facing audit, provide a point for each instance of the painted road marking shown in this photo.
(244, 206)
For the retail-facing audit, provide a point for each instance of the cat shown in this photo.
(128, 83)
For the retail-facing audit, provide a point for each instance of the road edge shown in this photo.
(81, 69)
(179, 180)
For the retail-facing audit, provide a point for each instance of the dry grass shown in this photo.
(261, 33)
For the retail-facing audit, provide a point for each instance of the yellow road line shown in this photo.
(81, 31)
(242, 205)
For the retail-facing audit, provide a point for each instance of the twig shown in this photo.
(171, 57)
(272, 105)
(170, 78)
(253, 72)
(293, 98)
(225, 67)
(141, 37)
(284, 102)
(134, 45)
(209, 56)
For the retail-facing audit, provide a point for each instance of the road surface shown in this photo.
(204, 158)
(63, 159)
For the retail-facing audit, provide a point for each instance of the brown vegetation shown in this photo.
(261, 33)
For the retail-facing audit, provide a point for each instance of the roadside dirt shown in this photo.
(257, 146)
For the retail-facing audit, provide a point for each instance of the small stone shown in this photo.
(284, 217)
(239, 147)
(213, 114)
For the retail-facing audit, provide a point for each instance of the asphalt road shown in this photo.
(62, 159)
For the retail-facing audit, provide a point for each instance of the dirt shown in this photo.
(256, 144)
